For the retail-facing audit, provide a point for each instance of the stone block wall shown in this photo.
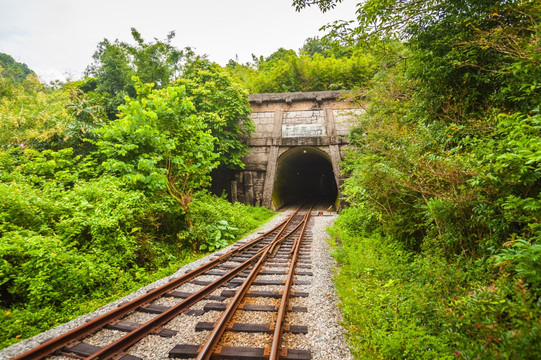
(264, 124)
(285, 121)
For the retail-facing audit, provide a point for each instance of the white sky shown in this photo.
(56, 38)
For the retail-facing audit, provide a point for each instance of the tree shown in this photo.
(445, 163)
(223, 106)
(14, 71)
(12, 74)
(314, 45)
(32, 114)
(157, 62)
(337, 68)
(324, 5)
(115, 63)
(471, 66)
(459, 45)
(159, 143)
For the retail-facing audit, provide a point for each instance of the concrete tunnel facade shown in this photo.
(295, 152)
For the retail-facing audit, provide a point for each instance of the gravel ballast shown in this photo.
(325, 334)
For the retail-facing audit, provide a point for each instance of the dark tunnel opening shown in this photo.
(304, 175)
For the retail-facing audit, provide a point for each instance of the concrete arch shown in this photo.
(317, 122)
(304, 174)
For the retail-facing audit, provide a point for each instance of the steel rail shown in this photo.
(135, 335)
(55, 344)
(208, 348)
(278, 328)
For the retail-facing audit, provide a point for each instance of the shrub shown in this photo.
(400, 304)
(70, 242)
(216, 222)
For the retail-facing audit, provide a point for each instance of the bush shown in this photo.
(400, 304)
(385, 309)
(496, 321)
(216, 222)
(286, 71)
(71, 242)
(42, 271)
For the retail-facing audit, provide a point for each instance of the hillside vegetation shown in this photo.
(102, 180)
(440, 247)
(102, 189)
(318, 66)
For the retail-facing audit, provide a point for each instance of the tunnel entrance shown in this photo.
(303, 175)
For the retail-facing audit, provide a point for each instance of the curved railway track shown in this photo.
(229, 284)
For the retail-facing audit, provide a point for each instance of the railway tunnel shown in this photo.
(294, 154)
(304, 175)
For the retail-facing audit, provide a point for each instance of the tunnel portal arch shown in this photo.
(285, 126)
(304, 174)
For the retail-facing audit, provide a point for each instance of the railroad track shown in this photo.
(256, 279)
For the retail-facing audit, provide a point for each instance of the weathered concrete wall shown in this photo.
(284, 121)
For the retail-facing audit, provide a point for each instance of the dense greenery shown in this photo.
(119, 66)
(31, 113)
(159, 142)
(101, 180)
(93, 206)
(440, 248)
(12, 71)
(404, 304)
(224, 108)
(318, 66)
(116, 63)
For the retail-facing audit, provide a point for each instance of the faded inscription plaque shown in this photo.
(303, 130)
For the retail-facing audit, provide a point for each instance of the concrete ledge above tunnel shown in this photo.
(304, 175)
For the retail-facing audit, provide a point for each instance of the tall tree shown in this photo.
(159, 143)
(115, 63)
(223, 105)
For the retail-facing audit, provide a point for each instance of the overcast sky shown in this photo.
(56, 38)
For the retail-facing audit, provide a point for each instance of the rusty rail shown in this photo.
(132, 337)
(206, 350)
(278, 328)
(53, 345)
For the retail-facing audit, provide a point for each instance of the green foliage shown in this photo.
(92, 209)
(424, 165)
(32, 114)
(388, 314)
(73, 238)
(216, 222)
(159, 143)
(115, 64)
(218, 101)
(12, 71)
(155, 63)
(525, 260)
(87, 114)
(398, 304)
(21, 320)
(285, 71)
(223, 106)
(313, 46)
(324, 5)
(217, 236)
(36, 269)
(445, 170)
(65, 236)
(502, 317)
